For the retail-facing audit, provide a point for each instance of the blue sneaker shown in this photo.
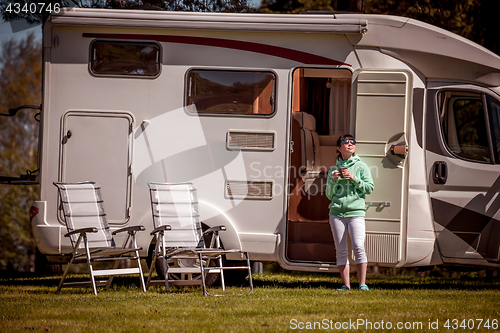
(364, 287)
(344, 288)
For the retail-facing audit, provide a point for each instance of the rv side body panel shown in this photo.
(220, 100)
(169, 141)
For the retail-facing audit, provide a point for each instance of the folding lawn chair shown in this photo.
(179, 236)
(91, 238)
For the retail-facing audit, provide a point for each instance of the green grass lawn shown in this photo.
(282, 302)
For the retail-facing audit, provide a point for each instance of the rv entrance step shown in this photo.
(310, 241)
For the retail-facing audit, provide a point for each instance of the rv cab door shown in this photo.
(462, 153)
(380, 104)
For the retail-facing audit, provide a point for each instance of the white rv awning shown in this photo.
(212, 21)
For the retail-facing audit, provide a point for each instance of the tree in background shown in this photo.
(40, 15)
(472, 19)
(20, 84)
(233, 6)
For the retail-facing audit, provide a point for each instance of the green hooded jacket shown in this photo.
(348, 196)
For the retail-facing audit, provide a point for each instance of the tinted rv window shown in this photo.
(125, 58)
(230, 92)
(464, 125)
(494, 116)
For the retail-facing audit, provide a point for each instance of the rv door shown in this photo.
(380, 101)
(95, 146)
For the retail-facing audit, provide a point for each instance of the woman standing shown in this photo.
(347, 184)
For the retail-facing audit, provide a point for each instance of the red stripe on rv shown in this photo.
(277, 51)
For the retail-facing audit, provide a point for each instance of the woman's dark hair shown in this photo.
(342, 138)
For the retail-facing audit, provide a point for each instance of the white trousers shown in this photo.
(355, 227)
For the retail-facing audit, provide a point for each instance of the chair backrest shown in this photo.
(311, 159)
(176, 204)
(82, 207)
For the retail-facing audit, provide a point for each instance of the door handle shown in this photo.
(66, 137)
(400, 149)
(439, 172)
(380, 204)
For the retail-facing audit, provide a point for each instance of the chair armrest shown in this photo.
(81, 231)
(161, 228)
(215, 229)
(133, 228)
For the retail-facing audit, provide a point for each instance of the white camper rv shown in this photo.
(248, 107)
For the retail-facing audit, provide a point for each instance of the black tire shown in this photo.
(44, 267)
(235, 277)
(210, 279)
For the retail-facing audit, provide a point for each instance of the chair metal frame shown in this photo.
(88, 254)
(164, 233)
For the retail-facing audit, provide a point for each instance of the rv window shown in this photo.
(464, 126)
(230, 92)
(494, 116)
(125, 58)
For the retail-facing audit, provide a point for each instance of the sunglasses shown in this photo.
(352, 142)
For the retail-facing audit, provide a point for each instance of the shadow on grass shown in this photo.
(384, 283)
(393, 280)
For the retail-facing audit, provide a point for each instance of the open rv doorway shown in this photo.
(320, 114)
(374, 106)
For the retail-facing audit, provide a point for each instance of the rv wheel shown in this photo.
(235, 277)
(44, 267)
(210, 279)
